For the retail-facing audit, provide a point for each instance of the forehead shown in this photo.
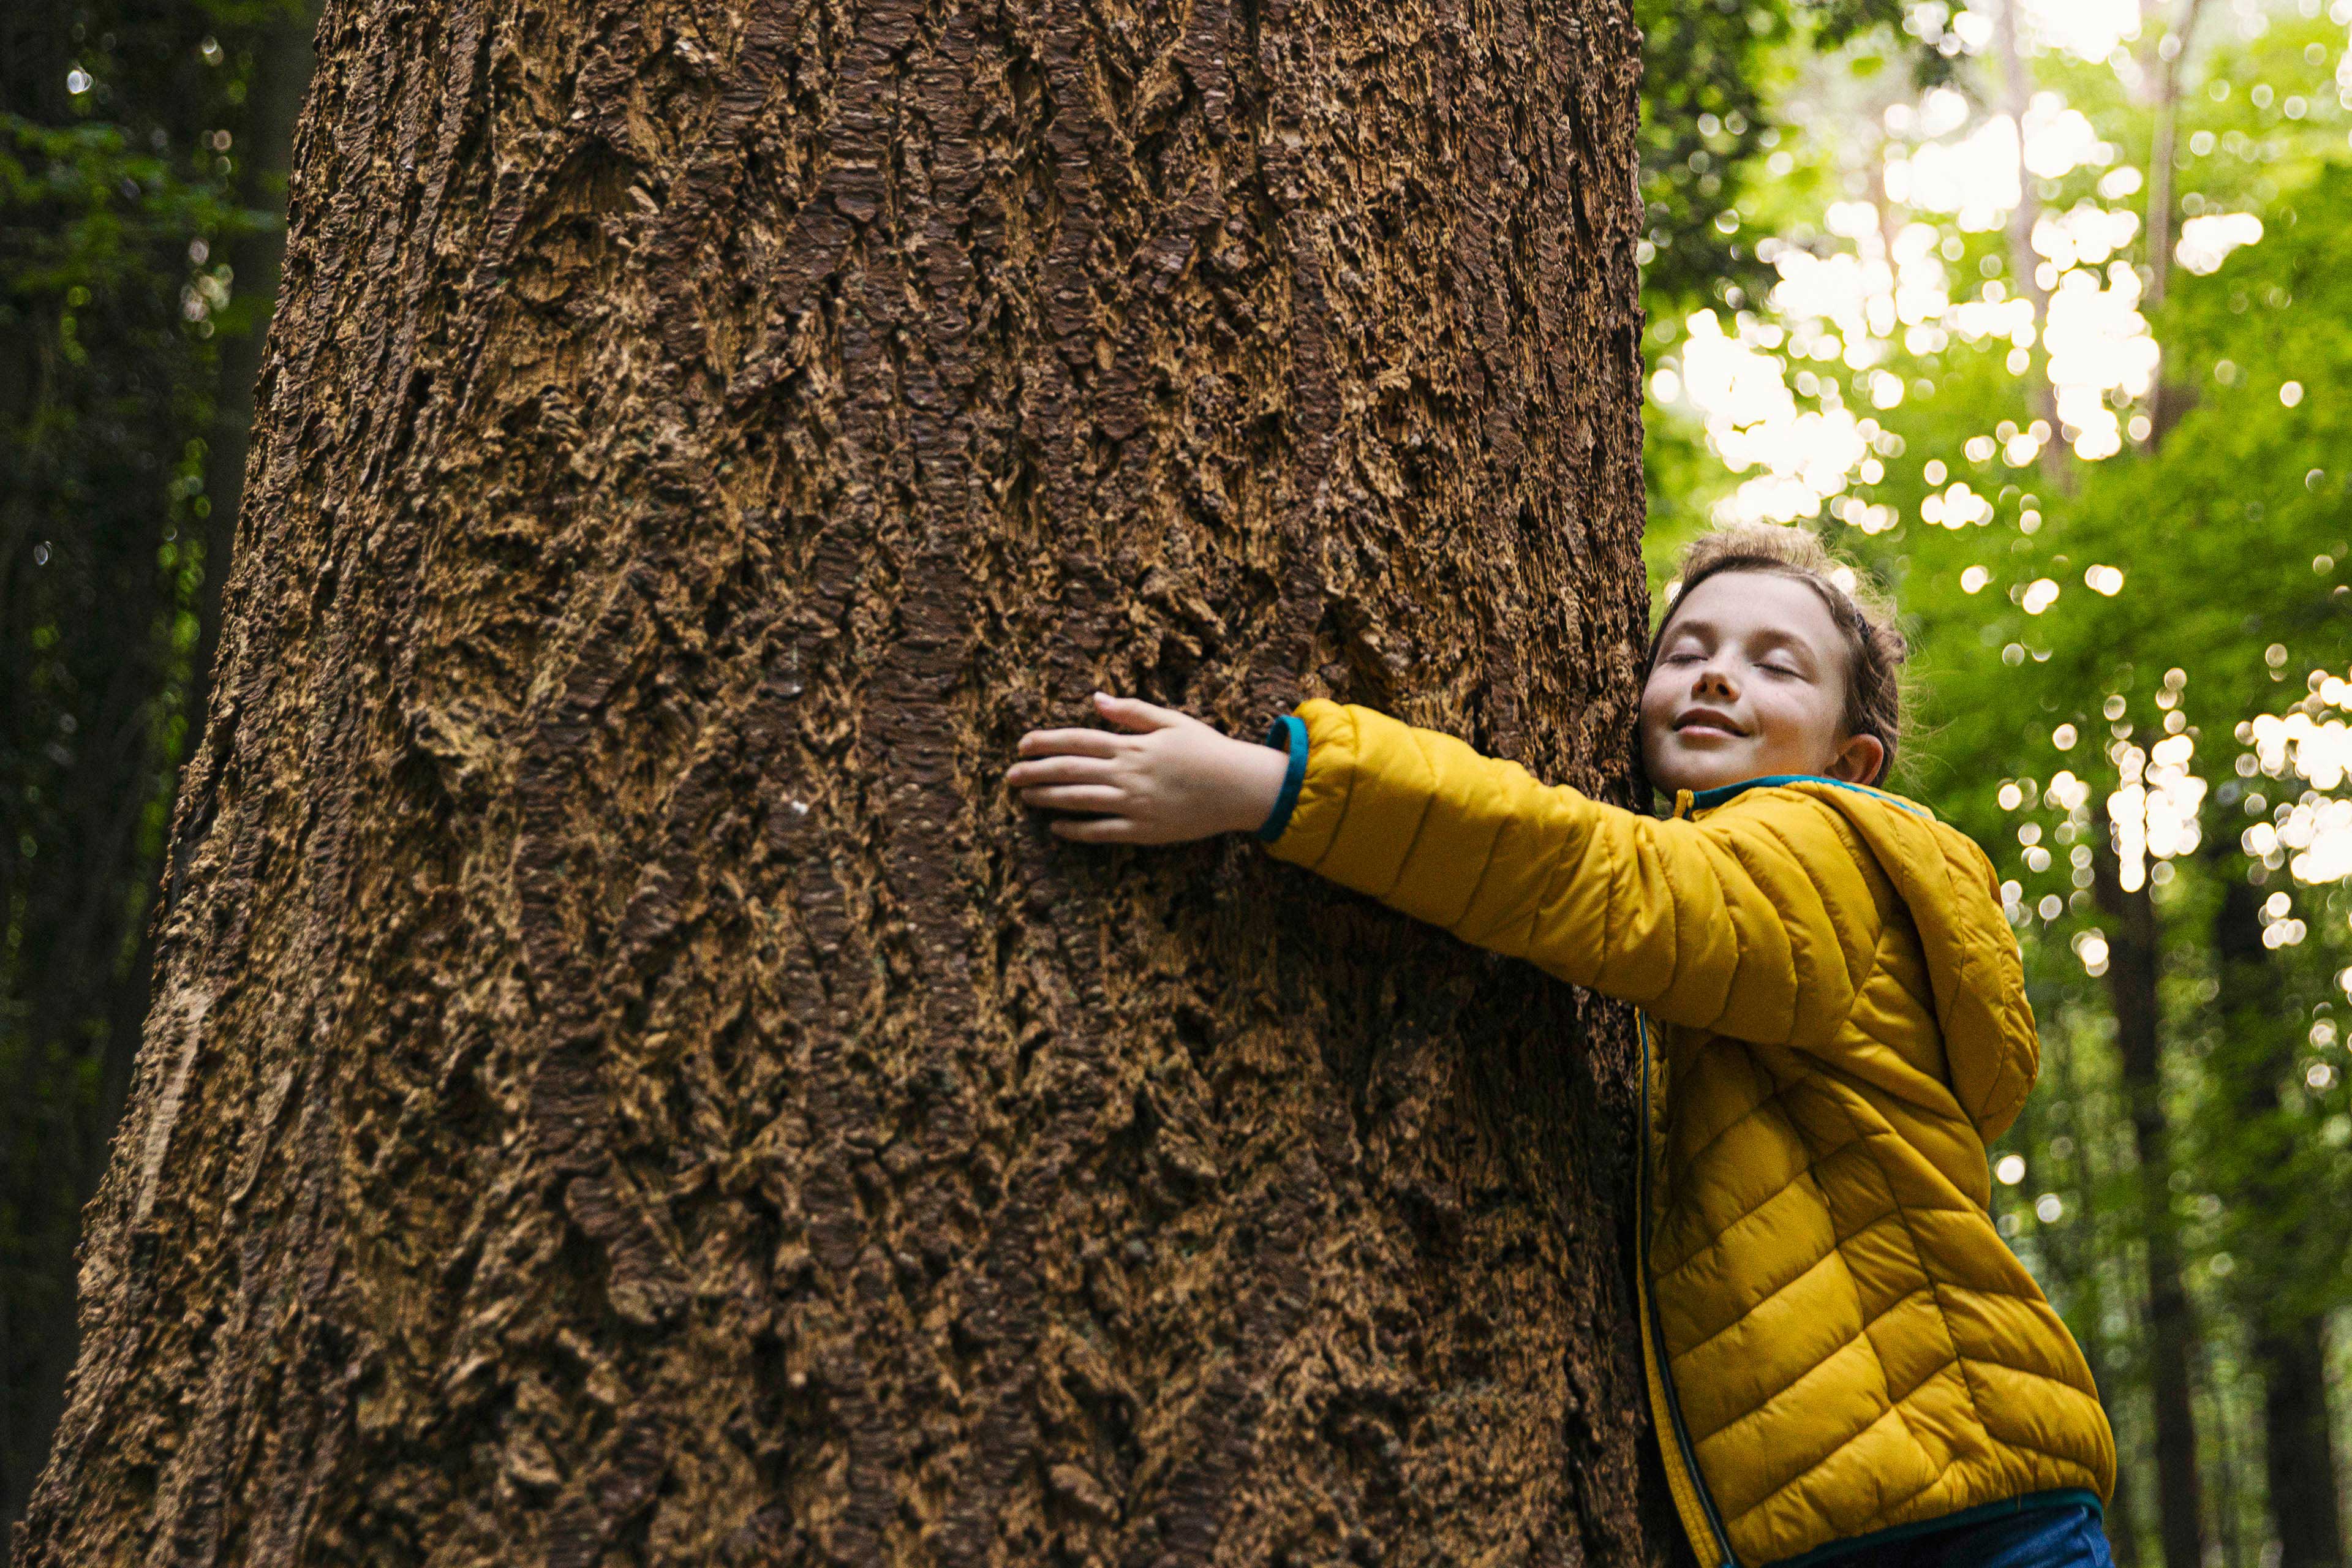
(1741, 605)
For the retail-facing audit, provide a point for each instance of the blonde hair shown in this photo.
(1864, 615)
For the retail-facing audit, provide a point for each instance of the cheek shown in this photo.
(1658, 695)
(1805, 721)
(1657, 707)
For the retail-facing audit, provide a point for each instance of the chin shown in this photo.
(1700, 773)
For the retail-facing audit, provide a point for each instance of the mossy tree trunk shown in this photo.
(625, 1083)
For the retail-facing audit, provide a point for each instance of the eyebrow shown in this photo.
(1773, 635)
(1786, 639)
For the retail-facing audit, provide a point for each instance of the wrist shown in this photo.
(1256, 781)
(1286, 738)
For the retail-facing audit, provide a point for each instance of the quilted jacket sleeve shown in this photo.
(1756, 923)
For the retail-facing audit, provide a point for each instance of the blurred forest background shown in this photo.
(2041, 309)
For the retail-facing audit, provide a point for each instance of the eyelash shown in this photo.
(1775, 668)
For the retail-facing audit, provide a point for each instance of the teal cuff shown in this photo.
(1289, 732)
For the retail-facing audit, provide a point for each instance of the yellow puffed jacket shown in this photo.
(1839, 1344)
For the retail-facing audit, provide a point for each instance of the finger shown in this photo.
(1075, 797)
(1060, 770)
(1069, 743)
(1134, 713)
(1094, 829)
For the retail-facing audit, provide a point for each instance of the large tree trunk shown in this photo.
(2133, 963)
(625, 1084)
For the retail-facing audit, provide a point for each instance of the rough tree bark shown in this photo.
(625, 1083)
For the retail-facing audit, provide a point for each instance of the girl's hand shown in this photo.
(1168, 779)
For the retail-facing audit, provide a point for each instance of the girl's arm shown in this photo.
(1749, 923)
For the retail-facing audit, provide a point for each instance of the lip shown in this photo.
(1706, 722)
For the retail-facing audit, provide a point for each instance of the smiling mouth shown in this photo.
(1706, 726)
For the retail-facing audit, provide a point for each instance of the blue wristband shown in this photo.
(1289, 732)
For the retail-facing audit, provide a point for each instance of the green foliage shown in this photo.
(2229, 537)
(1707, 124)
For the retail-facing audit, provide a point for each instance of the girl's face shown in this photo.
(1750, 680)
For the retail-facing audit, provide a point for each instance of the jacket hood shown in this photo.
(1978, 982)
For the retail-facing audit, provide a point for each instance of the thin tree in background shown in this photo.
(2135, 957)
(2260, 1047)
(2024, 262)
(2166, 403)
(624, 1078)
(2076, 1254)
(2134, 965)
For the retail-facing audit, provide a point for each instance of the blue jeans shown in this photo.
(2064, 1537)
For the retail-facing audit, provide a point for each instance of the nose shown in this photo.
(1714, 678)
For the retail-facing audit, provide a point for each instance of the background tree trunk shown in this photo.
(624, 1082)
(2076, 1265)
(2136, 956)
(2264, 1027)
(2167, 399)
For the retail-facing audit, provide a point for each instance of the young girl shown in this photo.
(1845, 1362)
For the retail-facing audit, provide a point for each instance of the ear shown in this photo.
(1858, 759)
